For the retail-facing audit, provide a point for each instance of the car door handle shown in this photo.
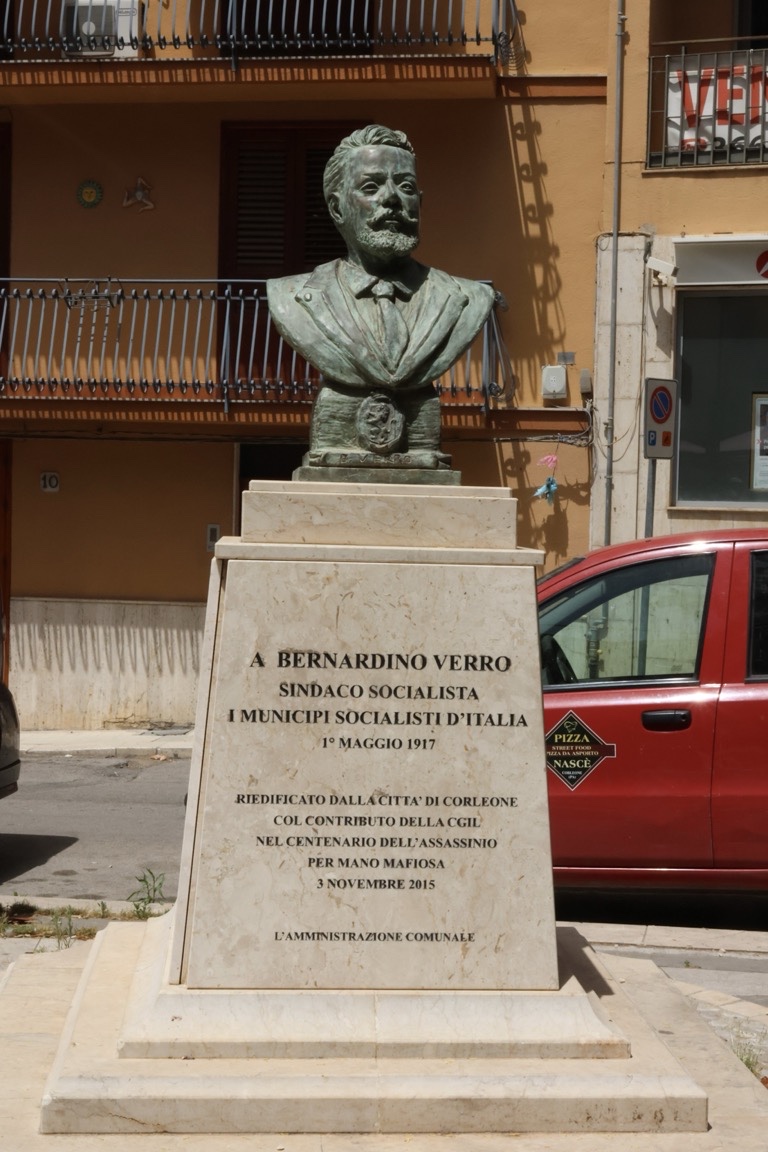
(667, 719)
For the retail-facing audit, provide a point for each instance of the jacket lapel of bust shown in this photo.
(323, 298)
(439, 303)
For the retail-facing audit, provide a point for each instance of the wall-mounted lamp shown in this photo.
(664, 271)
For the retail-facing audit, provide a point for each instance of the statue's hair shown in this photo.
(361, 138)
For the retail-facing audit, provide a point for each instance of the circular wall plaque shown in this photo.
(89, 193)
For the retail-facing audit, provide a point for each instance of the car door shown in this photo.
(740, 778)
(632, 656)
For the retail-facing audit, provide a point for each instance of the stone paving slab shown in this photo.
(719, 940)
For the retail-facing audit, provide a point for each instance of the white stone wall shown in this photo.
(90, 664)
(628, 490)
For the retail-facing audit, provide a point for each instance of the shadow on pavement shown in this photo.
(741, 911)
(21, 853)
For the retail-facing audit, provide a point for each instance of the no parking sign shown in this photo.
(660, 418)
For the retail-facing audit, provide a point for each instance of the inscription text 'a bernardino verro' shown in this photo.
(386, 661)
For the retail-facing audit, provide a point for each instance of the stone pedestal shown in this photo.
(373, 760)
(364, 939)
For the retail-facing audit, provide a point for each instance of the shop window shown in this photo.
(723, 436)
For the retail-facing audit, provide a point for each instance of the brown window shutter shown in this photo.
(260, 211)
(273, 222)
(321, 239)
(273, 215)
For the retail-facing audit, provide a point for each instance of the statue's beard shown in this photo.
(389, 232)
(385, 243)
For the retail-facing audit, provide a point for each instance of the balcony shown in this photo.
(198, 342)
(708, 109)
(80, 31)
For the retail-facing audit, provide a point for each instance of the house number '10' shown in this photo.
(49, 481)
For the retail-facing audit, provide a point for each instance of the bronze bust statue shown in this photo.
(379, 326)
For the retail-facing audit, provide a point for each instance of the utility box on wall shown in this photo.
(554, 383)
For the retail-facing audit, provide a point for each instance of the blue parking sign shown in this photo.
(660, 418)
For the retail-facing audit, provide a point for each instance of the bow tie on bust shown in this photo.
(390, 290)
(383, 290)
(363, 283)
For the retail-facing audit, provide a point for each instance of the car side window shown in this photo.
(758, 615)
(640, 622)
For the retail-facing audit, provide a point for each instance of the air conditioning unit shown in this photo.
(98, 29)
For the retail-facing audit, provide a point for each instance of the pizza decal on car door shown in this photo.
(573, 750)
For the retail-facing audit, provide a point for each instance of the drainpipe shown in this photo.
(609, 421)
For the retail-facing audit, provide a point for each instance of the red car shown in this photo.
(655, 669)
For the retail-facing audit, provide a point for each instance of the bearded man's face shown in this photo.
(377, 209)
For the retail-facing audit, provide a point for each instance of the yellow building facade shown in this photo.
(682, 295)
(160, 162)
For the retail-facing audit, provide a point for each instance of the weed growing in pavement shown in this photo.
(16, 919)
(22, 920)
(66, 924)
(21, 910)
(62, 928)
(18, 912)
(746, 1050)
(149, 892)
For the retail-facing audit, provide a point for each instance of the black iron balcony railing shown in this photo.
(109, 340)
(708, 108)
(82, 30)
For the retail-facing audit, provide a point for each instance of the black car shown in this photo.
(9, 729)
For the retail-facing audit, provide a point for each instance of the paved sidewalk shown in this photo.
(711, 967)
(109, 741)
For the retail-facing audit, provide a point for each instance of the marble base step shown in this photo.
(193, 1083)
(169, 1020)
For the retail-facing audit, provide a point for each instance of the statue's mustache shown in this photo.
(386, 216)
